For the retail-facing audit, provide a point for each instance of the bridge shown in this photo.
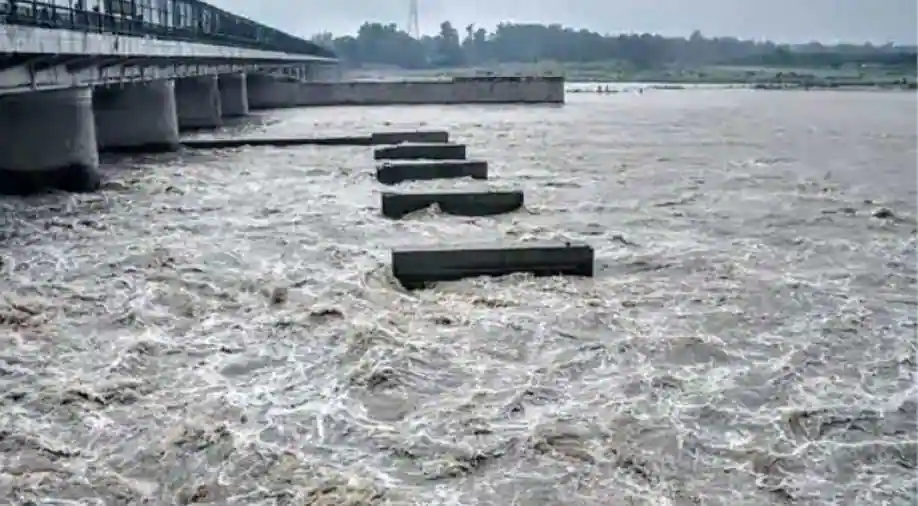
(82, 76)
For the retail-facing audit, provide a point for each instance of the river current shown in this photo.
(221, 327)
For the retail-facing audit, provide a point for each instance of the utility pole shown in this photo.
(414, 28)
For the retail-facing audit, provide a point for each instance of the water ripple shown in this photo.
(221, 328)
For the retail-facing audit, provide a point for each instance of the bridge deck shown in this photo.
(191, 21)
(24, 42)
(70, 43)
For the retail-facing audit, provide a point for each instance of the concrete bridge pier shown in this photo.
(269, 92)
(323, 72)
(234, 95)
(48, 141)
(138, 117)
(197, 101)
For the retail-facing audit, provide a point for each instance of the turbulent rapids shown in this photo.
(221, 327)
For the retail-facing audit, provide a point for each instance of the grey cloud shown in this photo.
(784, 20)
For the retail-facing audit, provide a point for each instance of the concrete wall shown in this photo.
(267, 92)
(270, 92)
(500, 90)
(325, 73)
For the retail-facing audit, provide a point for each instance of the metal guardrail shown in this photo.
(184, 20)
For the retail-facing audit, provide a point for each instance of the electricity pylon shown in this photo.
(414, 28)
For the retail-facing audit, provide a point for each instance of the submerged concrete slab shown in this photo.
(276, 141)
(393, 173)
(443, 151)
(397, 205)
(419, 136)
(417, 268)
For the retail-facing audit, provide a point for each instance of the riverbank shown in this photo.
(777, 81)
(772, 78)
(602, 87)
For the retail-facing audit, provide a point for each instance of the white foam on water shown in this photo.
(222, 327)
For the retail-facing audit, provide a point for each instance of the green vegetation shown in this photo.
(588, 56)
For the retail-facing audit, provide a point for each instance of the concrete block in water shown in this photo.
(421, 136)
(48, 141)
(442, 151)
(197, 102)
(417, 268)
(397, 205)
(136, 117)
(234, 95)
(392, 173)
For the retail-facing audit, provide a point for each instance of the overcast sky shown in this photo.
(782, 20)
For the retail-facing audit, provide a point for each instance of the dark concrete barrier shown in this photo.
(505, 79)
(280, 142)
(381, 138)
(420, 136)
(444, 151)
(393, 173)
(397, 205)
(145, 149)
(417, 268)
(73, 178)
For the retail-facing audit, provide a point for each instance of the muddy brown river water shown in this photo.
(221, 327)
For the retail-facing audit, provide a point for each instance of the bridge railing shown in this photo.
(185, 20)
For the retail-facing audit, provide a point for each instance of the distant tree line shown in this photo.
(377, 43)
